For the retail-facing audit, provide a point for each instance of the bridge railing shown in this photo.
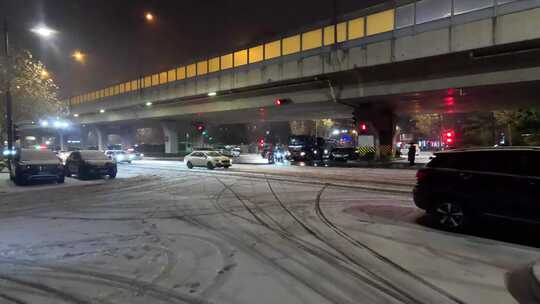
(369, 23)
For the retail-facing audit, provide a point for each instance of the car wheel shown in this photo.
(112, 174)
(129, 162)
(226, 167)
(61, 179)
(451, 215)
(210, 166)
(67, 172)
(189, 165)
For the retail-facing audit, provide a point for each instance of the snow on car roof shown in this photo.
(33, 155)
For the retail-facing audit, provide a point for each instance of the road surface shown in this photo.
(160, 233)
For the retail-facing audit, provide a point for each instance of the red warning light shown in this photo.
(449, 137)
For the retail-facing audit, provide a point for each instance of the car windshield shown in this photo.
(34, 155)
(213, 154)
(93, 155)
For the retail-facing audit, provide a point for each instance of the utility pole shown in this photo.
(9, 117)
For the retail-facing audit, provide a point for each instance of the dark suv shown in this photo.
(458, 185)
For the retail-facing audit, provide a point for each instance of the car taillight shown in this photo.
(421, 174)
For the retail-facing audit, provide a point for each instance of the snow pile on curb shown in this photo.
(536, 280)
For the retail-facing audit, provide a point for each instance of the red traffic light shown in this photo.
(200, 127)
(449, 137)
(278, 102)
(363, 127)
(261, 142)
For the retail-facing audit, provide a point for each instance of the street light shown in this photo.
(78, 56)
(149, 17)
(44, 74)
(43, 31)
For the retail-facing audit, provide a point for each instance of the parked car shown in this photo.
(30, 165)
(209, 159)
(344, 154)
(90, 163)
(457, 186)
(119, 156)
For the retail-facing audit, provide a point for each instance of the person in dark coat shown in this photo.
(411, 154)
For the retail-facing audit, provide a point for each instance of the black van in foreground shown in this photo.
(459, 185)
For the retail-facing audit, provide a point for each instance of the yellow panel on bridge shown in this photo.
(356, 28)
(380, 22)
(256, 54)
(155, 79)
(213, 65)
(191, 70)
(240, 58)
(147, 82)
(162, 77)
(312, 40)
(171, 75)
(181, 73)
(202, 67)
(227, 61)
(272, 50)
(291, 45)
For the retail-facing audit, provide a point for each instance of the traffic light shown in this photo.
(261, 142)
(16, 132)
(200, 127)
(362, 128)
(449, 137)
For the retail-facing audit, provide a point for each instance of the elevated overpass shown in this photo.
(401, 56)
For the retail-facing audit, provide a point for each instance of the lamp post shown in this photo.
(42, 31)
(9, 114)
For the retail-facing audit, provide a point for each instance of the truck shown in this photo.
(307, 148)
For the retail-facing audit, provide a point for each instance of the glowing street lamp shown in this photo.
(44, 74)
(149, 17)
(43, 31)
(78, 56)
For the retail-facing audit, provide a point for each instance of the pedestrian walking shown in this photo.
(412, 154)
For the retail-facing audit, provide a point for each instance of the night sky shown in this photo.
(120, 45)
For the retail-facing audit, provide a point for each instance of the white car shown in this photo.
(208, 159)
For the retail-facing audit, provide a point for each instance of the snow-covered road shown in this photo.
(163, 234)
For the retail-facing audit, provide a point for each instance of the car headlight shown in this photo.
(142, 155)
(302, 153)
(325, 151)
(315, 152)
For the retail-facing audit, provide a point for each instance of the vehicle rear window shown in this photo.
(32, 155)
(93, 155)
(449, 161)
(481, 161)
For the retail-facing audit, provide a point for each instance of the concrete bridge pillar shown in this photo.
(101, 134)
(84, 137)
(381, 124)
(170, 133)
